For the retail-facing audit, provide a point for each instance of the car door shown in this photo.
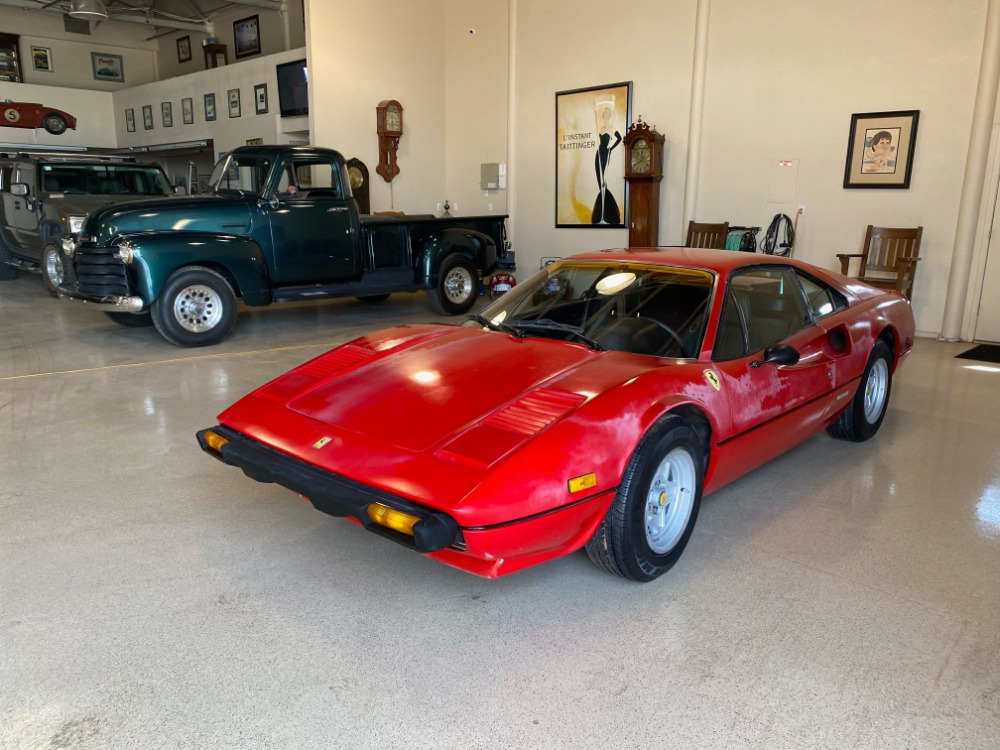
(25, 211)
(312, 226)
(773, 405)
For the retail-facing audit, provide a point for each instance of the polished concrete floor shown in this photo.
(843, 596)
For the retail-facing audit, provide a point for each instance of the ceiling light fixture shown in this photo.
(88, 9)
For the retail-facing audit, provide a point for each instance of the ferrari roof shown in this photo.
(720, 261)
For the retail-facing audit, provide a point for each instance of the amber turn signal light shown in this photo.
(391, 518)
(584, 482)
(214, 440)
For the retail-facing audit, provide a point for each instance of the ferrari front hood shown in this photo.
(420, 396)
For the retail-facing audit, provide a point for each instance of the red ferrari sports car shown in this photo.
(592, 405)
(33, 115)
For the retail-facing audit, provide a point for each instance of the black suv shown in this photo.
(45, 197)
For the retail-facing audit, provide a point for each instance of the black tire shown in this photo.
(132, 320)
(55, 124)
(457, 287)
(631, 539)
(862, 418)
(53, 268)
(373, 298)
(196, 307)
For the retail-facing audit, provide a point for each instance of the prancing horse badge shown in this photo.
(713, 379)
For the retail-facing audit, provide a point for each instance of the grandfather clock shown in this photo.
(643, 172)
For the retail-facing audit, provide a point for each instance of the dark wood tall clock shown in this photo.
(643, 172)
(389, 125)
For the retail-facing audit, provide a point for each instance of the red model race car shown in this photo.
(33, 115)
(592, 405)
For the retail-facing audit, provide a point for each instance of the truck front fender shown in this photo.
(479, 248)
(157, 255)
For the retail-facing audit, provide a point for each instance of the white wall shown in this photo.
(362, 53)
(783, 78)
(71, 60)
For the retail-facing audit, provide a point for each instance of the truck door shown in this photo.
(24, 210)
(313, 224)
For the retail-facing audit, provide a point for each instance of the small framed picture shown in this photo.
(130, 120)
(187, 110)
(209, 107)
(107, 67)
(168, 114)
(183, 49)
(260, 98)
(880, 149)
(234, 102)
(246, 34)
(41, 59)
(147, 116)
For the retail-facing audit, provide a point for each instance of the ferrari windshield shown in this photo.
(629, 307)
(245, 174)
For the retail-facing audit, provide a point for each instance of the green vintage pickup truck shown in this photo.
(279, 224)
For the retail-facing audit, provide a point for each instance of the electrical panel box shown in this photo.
(489, 176)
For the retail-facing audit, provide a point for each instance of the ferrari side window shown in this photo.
(730, 342)
(822, 299)
(772, 305)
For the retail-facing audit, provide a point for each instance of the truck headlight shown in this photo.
(125, 253)
(76, 223)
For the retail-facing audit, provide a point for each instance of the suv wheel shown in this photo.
(53, 270)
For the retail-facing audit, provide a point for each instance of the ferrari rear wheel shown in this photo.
(862, 418)
(54, 123)
(651, 518)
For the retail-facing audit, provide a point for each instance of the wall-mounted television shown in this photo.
(293, 88)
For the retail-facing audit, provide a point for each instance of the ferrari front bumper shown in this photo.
(328, 492)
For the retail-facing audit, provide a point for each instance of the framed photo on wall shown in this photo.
(41, 59)
(167, 112)
(183, 49)
(107, 67)
(260, 98)
(590, 162)
(130, 120)
(147, 116)
(246, 35)
(234, 102)
(209, 107)
(187, 110)
(880, 149)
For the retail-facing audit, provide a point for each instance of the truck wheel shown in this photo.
(456, 289)
(196, 307)
(131, 320)
(54, 123)
(53, 271)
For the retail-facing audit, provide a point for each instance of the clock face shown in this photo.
(393, 119)
(356, 176)
(640, 156)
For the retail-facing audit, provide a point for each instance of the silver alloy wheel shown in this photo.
(670, 500)
(198, 308)
(54, 270)
(458, 284)
(878, 380)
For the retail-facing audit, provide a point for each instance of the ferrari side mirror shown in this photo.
(779, 354)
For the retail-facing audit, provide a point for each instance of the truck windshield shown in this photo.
(243, 174)
(104, 179)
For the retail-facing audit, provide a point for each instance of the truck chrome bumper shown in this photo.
(113, 303)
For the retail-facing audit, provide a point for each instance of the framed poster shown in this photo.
(187, 110)
(107, 67)
(260, 98)
(130, 120)
(183, 49)
(147, 116)
(167, 112)
(590, 166)
(246, 34)
(880, 149)
(209, 107)
(234, 102)
(41, 59)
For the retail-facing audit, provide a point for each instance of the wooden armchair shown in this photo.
(889, 258)
(707, 235)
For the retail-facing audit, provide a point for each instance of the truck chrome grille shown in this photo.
(100, 271)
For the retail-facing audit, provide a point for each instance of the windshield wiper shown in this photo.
(503, 327)
(545, 324)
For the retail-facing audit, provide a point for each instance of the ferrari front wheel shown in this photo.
(861, 418)
(653, 514)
